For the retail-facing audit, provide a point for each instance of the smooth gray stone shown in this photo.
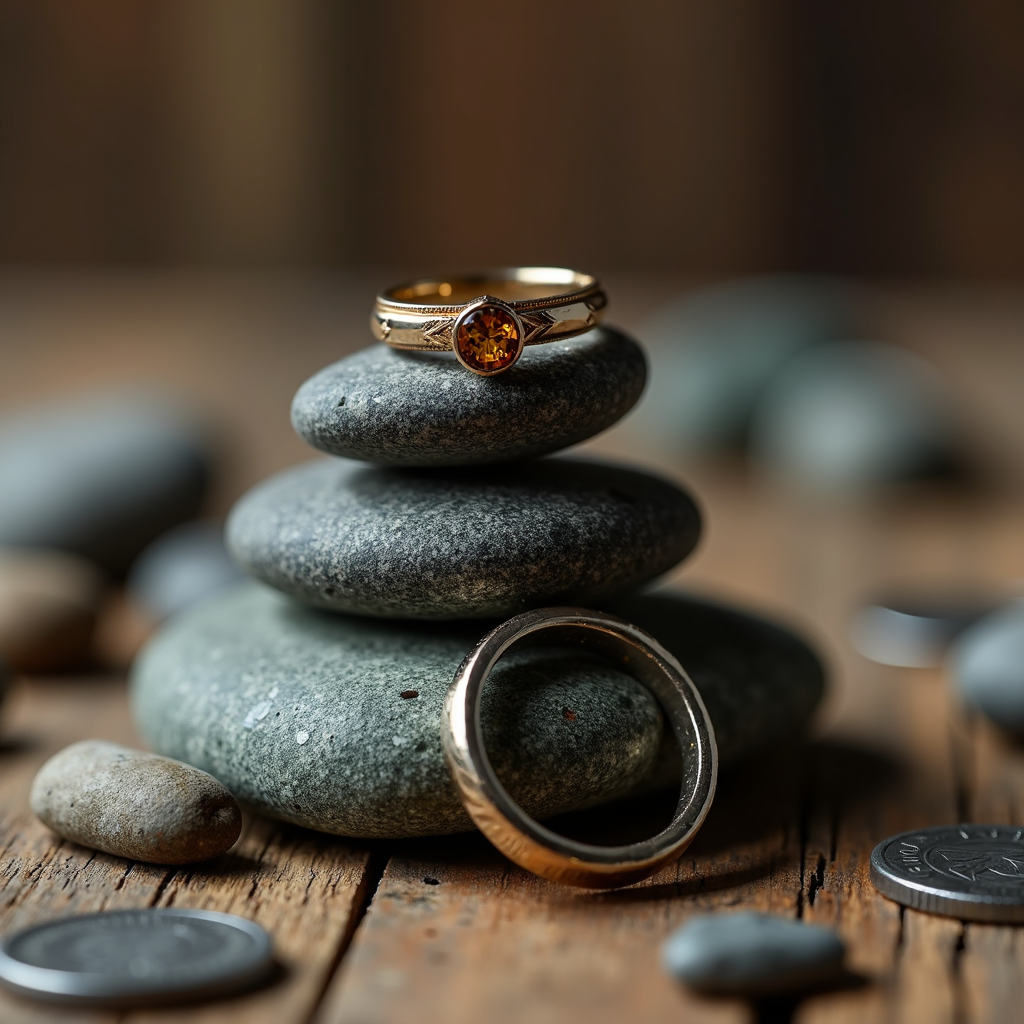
(99, 476)
(425, 409)
(712, 351)
(752, 954)
(853, 414)
(759, 682)
(301, 713)
(182, 567)
(444, 544)
(333, 722)
(987, 666)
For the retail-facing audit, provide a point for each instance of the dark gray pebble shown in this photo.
(752, 954)
(760, 682)
(443, 544)
(100, 476)
(853, 414)
(333, 722)
(713, 351)
(987, 666)
(183, 566)
(425, 409)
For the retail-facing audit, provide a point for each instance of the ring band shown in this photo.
(525, 841)
(488, 318)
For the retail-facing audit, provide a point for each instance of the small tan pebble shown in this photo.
(48, 608)
(134, 804)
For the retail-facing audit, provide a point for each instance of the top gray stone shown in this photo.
(425, 409)
(100, 476)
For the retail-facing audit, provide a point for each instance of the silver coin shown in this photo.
(973, 872)
(131, 957)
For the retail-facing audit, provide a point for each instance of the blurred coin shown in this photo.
(913, 634)
(972, 872)
(131, 957)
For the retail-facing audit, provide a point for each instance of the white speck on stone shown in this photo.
(399, 741)
(257, 714)
(301, 737)
(273, 693)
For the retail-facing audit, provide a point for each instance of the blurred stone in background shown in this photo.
(715, 349)
(49, 603)
(987, 667)
(182, 567)
(100, 475)
(852, 414)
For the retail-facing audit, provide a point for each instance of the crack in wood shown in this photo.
(162, 886)
(817, 880)
(366, 892)
(119, 884)
(959, 990)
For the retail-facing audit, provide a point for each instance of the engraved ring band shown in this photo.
(488, 318)
(525, 841)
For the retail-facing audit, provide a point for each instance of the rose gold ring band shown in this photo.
(525, 841)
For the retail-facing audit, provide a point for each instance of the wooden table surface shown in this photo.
(447, 930)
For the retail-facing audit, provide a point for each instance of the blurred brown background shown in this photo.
(720, 136)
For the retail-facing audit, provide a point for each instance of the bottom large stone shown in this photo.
(333, 722)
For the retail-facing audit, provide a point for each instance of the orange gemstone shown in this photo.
(488, 340)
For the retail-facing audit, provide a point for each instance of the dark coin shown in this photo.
(973, 872)
(130, 957)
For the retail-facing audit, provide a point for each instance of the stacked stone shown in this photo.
(319, 700)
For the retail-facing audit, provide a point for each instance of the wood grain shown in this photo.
(446, 930)
(306, 889)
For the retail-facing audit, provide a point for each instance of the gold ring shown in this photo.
(488, 318)
(525, 841)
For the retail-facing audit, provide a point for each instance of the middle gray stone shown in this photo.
(449, 544)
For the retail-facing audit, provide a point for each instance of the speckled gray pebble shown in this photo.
(752, 954)
(425, 409)
(471, 543)
(333, 722)
(134, 804)
(99, 476)
(987, 666)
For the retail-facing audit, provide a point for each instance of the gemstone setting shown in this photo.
(487, 336)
